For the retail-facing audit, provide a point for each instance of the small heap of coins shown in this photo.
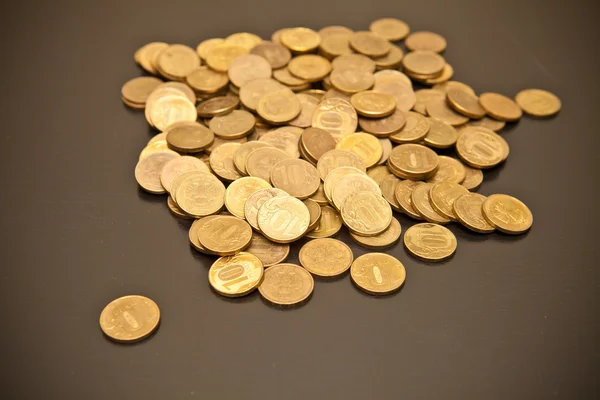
(310, 131)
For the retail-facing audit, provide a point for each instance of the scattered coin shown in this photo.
(314, 209)
(188, 137)
(283, 140)
(391, 29)
(480, 147)
(538, 103)
(403, 194)
(130, 318)
(244, 39)
(338, 158)
(366, 146)
(440, 135)
(220, 56)
(278, 107)
(261, 161)
(378, 173)
(221, 161)
(423, 96)
(300, 40)
(507, 214)
(352, 183)
(388, 190)
(366, 213)
(336, 116)
(203, 48)
(200, 194)
(268, 252)
(430, 242)
(450, 170)
(334, 177)
(384, 127)
(468, 211)
(167, 110)
(488, 123)
(377, 273)
(473, 178)
(326, 257)
(283, 219)
(391, 60)
(370, 44)
(147, 54)
(147, 170)
(428, 41)
(241, 155)
(247, 68)
(137, 90)
(297, 177)
(440, 110)
(207, 81)
(465, 103)
(276, 55)
(217, 106)
(329, 224)
(373, 104)
(402, 93)
(286, 284)
(236, 275)
(317, 142)
(421, 203)
(384, 240)
(500, 107)
(234, 125)
(413, 161)
(349, 80)
(256, 200)
(442, 196)
(310, 67)
(177, 61)
(178, 166)
(239, 191)
(335, 45)
(224, 235)
(308, 106)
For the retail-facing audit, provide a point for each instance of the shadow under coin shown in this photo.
(132, 344)
(377, 296)
(505, 237)
(463, 233)
(249, 298)
(149, 197)
(282, 307)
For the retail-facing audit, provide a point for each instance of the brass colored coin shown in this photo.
(180, 178)
(403, 94)
(130, 318)
(538, 103)
(200, 194)
(316, 93)
(465, 103)
(224, 235)
(300, 40)
(147, 54)
(442, 196)
(335, 45)
(384, 127)
(252, 91)
(308, 106)
(138, 89)
(444, 87)
(205, 46)
(414, 130)
(283, 219)
(297, 177)
(430, 242)
(234, 125)
(310, 67)
(276, 36)
(403, 194)
(283, 140)
(261, 161)
(217, 106)
(422, 204)
(370, 44)
(392, 75)
(239, 191)
(221, 161)
(177, 61)
(319, 196)
(220, 56)
(205, 80)
(488, 123)
(284, 76)
(178, 166)
(334, 93)
(388, 190)
(480, 147)
(338, 158)
(441, 135)
(175, 210)
(317, 142)
(445, 76)
(286, 285)
(379, 173)
(385, 239)
(333, 178)
(241, 155)
(468, 211)
(314, 209)
(268, 252)
(473, 178)
(424, 63)
(170, 109)
(366, 213)
(391, 60)
(391, 29)
(414, 160)
(236, 275)
(337, 117)
(352, 183)
(366, 146)
(247, 68)
(326, 257)
(334, 30)
(373, 104)
(354, 62)
(507, 214)
(500, 107)
(377, 273)
(424, 96)
(135, 106)
(276, 55)
(159, 145)
(244, 39)
(147, 170)
(351, 80)
(256, 200)
(386, 146)
(279, 107)
(428, 41)
(193, 236)
(189, 137)
(450, 170)
(219, 142)
(440, 110)
(329, 224)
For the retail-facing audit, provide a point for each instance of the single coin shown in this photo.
(538, 103)
(178, 166)
(314, 209)
(333, 178)
(391, 29)
(262, 160)
(450, 170)
(205, 80)
(217, 106)
(145, 56)
(414, 160)
(488, 123)
(200, 194)
(425, 41)
(444, 87)
(220, 56)
(465, 103)
(445, 76)
(326, 257)
(500, 107)
(241, 155)
(239, 191)
(244, 39)
(233, 125)
(297, 177)
(421, 203)
(170, 109)
(388, 190)
(276, 55)
(253, 91)
(386, 146)
(338, 158)
(130, 318)
(247, 68)
(352, 183)
(283, 139)
(138, 89)
(468, 211)
(335, 116)
(377, 273)
(414, 130)
(268, 252)
(221, 161)
(384, 240)
(284, 76)
(308, 106)
(403, 94)
(364, 145)
(480, 147)
(373, 104)
(366, 213)
(440, 135)
(256, 200)
(177, 61)
(440, 110)
(370, 44)
(422, 62)
(317, 142)
(379, 173)
(236, 275)
(224, 235)
(507, 214)
(279, 107)
(442, 196)
(204, 46)
(473, 178)
(430, 242)
(300, 40)
(319, 197)
(355, 62)
(175, 210)
(334, 30)
(283, 219)
(391, 60)
(310, 67)
(335, 45)
(188, 137)
(384, 127)
(147, 170)
(351, 80)
(286, 285)
(329, 224)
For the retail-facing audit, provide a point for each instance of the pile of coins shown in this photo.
(310, 131)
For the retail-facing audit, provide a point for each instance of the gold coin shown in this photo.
(316, 93)
(219, 142)
(241, 155)
(352, 183)
(286, 285)
(163, 91)
(147, 170)
(252, 92)
(177, 61)
(262, 160)
(237, 275)
(441, 135)
(377, 273)
(403, 194)
(414, 161)
(467, 209)
(239, 191)
(465, 103)
(178, 166)
(147, 54)
(276, 36)
(256, 200)
(373, 104)
(204, 47)
(414, 130)
(391, 60)
(220, 56)
(379, 173)
(308, 106)
(335, 116)
(217, 106)
(488, 123)
(317, 142)
(444, 87)
(130, 318)
(193, 236)
(234, 125)
(430, 242)
(335, 45)
(366, 213)
(402, 93)
(276, 55)
(500, 107)
(370, 44)
(391, 29)
(350, 80)
(538, 103)
(326, 257)
(338, 158)
(392, 75)
(200, 194)
(138, 89)
(425, 63)
(333, 178)
(355, 62)
(386, 146)
(319, 196)
(425, 41)
(450, 170)
(329, 224)
(188, 137)
(135, 106)
(175, 210)
(421, 203)
(205, 80)
(297, 177)
(268, 252)
(283, 219)
(278, 107)
(158, 146)
(440, 110)
(383, 127)
(224, 235)
(221, 161)
(284, 76)
(310, 67)
(473, 178)
(388, 190)
(335, 30)
(442, 196)
(507, 214)
(180, 178)
(300, 40)
(170, 109)
(314, 209)
(283, 140)
(364, 145)
(445, 76)
(247, 68)
(244, 39)
(480, 147)
(385, 239)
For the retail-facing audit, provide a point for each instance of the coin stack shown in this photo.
(310, 131)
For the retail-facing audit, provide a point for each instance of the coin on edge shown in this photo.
(442, 196)
(237, 275)
(286, 284)
(130, 318)
(377, 273)
(403, 194)
(422, 204)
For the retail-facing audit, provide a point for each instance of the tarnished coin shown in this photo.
(239, 191)
(468, 211)
(480, 147)
(370, 44)
(205, 80)
(170, 109)
(391, 60)
(335, 116)
(130, 318)
(488, 123)
(373, 104)
(352, 183)
(391, 29)
(379, 173)
(310, 67)
(314, 209)
(335, 45)
(430, 242)
(507, 214)
(297, 177)
(203, 48)
(247, 68)
(538, 103)
(350, 80)
(244, 39)
(283, 219)
(500, 107)
(220, 56)
(440, 110)
(147, 170)
(276, 55)
(178, 166)
(383, 127)
(425, 41)
(234, 125)
(284, 140)
(473, 178)
(242, 153)
(188, 137)
(338, 158)
(377, 273)
(138, 89)
(326, 257)
(286, 284)
(402, 93)
(366, 146)
(450, 170)
(403, 194)
(300, 40)
(388, 190)
(442, 196)
(317, 142)
(355, 62)
(251, 93)
(385, 239)
(465, 103)
(177, 61)
(440, 135)
(200, 194)
(319, 197)
(236, 275)
(221, 161)
(414, 130)
(224, 235)
(261, 161)
(421, 203)
(413, 161)
(256, 200)
(329, 224)
(268, 252)
(217, 106)
(279, 107)
(146, 56)
(366, 213)
(424, 96)
(426, 63)
(308, 106)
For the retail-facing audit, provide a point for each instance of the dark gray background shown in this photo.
(505, 318)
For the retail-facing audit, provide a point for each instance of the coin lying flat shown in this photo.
(189, 137)
(450, 170)
(310, 67)
(413, 131)
(286, 284)
(351, 80)
(221, 161)
(413, 161)
(403, 94)
(370, 44)
(239, 191)
(200, 194)
(329, 224)
(205, 80)
(425, 63)
(300, 40)
(403, 194)
(430, 242)
(440, 135)
(500, 107)
(334, 177)
(424, 96)
(256, 200)
(217, 106)
(147, 54)
(147, 170)
(383, 127)
(176, 167)
(385, 239)
(224, 235)
(338, 158)
(538, 103)
(507, 214)
(465, 103)
(335, 45)
(204, 46)
(237, 275)
(336, 116)
(473, 178)
(480, 147)
(262, 160)
(297, 177)
(283, 219)
(366, 146)
(425, 41)
(247, 68)
(317, 142)
(276, 55)
(391, 60)
(373, 104)
(352, 183)
(252, 91)
(379, 173)
(440, 110)
(366, 213)
(392, 29)
(220, 56)
(326, 257)
(354, 61)
(138, 89)
(279, 107)
(377, 273)
(268, 252)
(308, 105)
(445, 76)
(242, 153)
(130, 318)
(421, 203)
(244, 39)
(442, 196)
(177, 61)
(468, 211)
(234, 125)
(170, 109)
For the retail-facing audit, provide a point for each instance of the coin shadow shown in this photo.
(505, 237)
(281, 307)
(149, 197)
(199, 256)
(132, 344)
(331, 279)
(249, 298)
(492, 173)
(184, 225)
(463, 233)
